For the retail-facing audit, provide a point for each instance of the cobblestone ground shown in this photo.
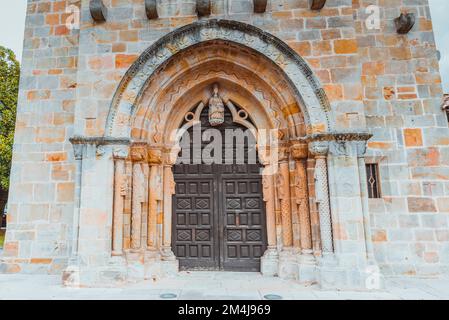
(217, 286)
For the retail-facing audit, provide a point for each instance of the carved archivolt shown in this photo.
(308, 93)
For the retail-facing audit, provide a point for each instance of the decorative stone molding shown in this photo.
(98, 10)
(260, 6)
(79, 142)
(317, 4)
(338, 143)
(151, 9)
(405, 22)
(203, 8)
(305, 86)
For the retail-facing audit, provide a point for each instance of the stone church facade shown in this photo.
(352, 143)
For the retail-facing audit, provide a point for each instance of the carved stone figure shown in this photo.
(216, 109)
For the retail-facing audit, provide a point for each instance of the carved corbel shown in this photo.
(260, 6)
(317, 4)
(151, 9)
(98, 10)
(203, 8)
(405, 22)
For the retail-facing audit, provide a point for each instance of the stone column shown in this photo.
(283, 185)
(300, 154)
(170, 156)
(320, 149)
(306, 260)
(154, 195)
(138, 156)
(269, 261)
(288, 268)
(121, 188)
(361, 150)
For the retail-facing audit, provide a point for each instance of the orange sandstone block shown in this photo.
(413, 137)
(345, 46)
(124, 60)
(41, 261)
(52, 19)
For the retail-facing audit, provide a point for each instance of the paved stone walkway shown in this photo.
(216, 286)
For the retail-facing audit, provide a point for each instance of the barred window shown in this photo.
(372, 171)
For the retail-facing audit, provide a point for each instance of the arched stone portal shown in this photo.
(289, 114)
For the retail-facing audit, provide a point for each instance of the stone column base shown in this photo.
(307, 269)
(288, 264)
(269, 263)
(333, 276)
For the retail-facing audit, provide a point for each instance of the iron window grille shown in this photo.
(372, 171)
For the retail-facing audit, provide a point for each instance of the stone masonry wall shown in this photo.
(41, 192)
(402, 97)
(69, 79)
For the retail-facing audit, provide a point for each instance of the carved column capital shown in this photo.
(139, 153)
(78, 151)
(170, 155)
(283, 152)
(319, 148)
(299, 151)
(120, 152)
(154, 155)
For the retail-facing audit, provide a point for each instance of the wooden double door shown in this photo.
(219, 217)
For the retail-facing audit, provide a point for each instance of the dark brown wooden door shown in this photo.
(218, 211)
(219, 217)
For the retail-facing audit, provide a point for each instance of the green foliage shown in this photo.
(9, 89)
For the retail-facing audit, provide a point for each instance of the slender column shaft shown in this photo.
(284, 196)
(268, 194)
(136, 215)
(365, 208)
(152, 207)
(322, 198)
(302, 200)
(78, 183)
(169, 185)
(120, 189)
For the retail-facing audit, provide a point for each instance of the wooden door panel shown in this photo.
(194, 230)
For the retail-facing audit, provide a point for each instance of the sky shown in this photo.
(12, 21)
